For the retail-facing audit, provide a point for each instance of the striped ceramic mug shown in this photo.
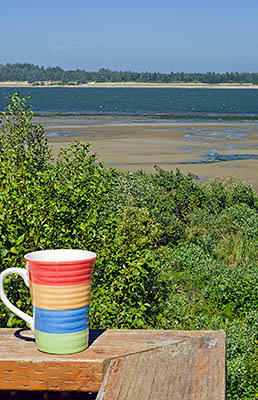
(60, 283)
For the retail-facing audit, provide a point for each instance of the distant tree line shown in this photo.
(36, 74)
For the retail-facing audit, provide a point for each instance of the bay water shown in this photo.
(141, 103)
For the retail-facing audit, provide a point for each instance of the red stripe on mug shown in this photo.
(61, 273)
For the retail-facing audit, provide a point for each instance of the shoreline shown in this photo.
(175, 85)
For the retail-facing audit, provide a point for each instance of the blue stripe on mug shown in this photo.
(61, 321)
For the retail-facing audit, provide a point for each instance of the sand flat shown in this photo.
(134, 146)
(191, 85)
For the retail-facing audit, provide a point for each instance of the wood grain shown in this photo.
(121, 364)
(192, 369)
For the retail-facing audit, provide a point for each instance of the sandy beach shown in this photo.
(189, 146)
(25, 84)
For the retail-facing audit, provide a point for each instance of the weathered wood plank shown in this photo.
(193, 369)
(23, 367)
(153, 361)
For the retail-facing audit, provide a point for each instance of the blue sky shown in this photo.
(161, 36)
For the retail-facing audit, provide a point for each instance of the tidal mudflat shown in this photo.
(208, 149)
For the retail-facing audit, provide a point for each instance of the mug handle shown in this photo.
(24, 274)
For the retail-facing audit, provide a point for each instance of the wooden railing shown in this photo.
(120, 365)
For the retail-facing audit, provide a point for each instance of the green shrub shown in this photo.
(242, 356)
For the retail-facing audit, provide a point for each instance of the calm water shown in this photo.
(168, 103)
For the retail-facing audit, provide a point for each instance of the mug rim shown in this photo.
(85, 255)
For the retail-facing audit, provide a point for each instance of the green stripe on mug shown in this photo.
(66, 343)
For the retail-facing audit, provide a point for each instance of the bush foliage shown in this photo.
(171, 253)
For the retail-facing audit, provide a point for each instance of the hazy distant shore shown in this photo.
(133, 85)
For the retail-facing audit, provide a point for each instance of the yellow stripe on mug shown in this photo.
(60, 297)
